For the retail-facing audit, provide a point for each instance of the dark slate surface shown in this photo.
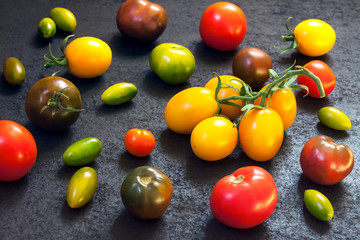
(35, 207)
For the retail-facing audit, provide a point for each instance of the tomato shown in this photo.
(173, 63)
(139, 142)
(326, 162)
(119, 93)
(318, 205)
(334, 118)
(18, 151)
(231, 112)
(223, 26)
(141, 20)
(64, 19)
(146, 192)
(245, 198)
(82, 152)
(14, 71)
(261, 133)
(189, 107)
(214, 138)
(53, 103)
(47, 28)
(252, 65)
(82, 187)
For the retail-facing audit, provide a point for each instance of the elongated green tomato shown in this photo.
(64, 19)
(82, 187)
(318, 205)
(214, 138)
(82, 152)
(334, 118)
(47, 28)
(119, 93)
(14, 71)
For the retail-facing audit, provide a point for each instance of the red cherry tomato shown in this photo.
(17, 151)
(245, 198)
(223, 26)
(139, 142)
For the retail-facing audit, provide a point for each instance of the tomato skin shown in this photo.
(322, 71)
(82, 152)
(326, 162)
(64, 19)
(119, 93)
(318, 205)
(261, 128)
(14, 71)
(18, 151)
(214, 138)
(245, 198)
(334, 118)
(189, 107)
(139, 142)
(223, 26)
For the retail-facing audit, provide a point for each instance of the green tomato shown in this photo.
(46, 28)
(334, 118)
(64, 19)
(82, 152)
(173, 63)
(14, 71)
(318, 205)
(119, 93)
(82, 187)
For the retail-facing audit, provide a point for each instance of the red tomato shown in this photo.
(245, 198)
(322, 71)
(326, 162)
(139, 142)
(223, 26)
(17, 151)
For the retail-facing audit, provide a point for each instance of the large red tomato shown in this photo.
(245, 198)
(17, 151)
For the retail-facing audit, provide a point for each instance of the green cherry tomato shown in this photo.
(334, 118)
(47, 28)
(318, 205)
(119, 93)
(82, 187)
(14, 71)
(173, 63)
(64, 19)
(82, 152)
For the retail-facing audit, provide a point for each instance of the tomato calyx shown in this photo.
(238, 179)
(288, 38)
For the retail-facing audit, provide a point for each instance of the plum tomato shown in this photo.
(64, 19)
(119, 93)
(318, 205)
(14, 71)
(139, 142)
(334, 118)
(82, 152)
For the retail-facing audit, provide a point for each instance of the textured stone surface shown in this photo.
(35, 207)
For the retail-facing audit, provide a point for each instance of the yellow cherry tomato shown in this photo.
(227, 110)
(261, 133)
(189, 107)
(214, 138)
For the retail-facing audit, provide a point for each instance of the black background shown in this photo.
(35, 207)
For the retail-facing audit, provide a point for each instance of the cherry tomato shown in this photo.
(189, 107)
(245, 198)
(14, 71)
(214, 138)
(139, 142)
(227, 110)
(46, 28)
(17, 151)
(318, 205)
(326, 162)
(64, 19)
(261, 133)
(334, 118)
(322, 71)
(223, 26)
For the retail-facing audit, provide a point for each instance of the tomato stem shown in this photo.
(288, 38)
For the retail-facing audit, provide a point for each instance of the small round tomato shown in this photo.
(231, 112)
(82, 152)
(261, 133)
(214, 138)
(14, 71)
(323, 72)
(119, 93)
(318, 205)
(245, 198)
(189, 107)
(47, 28)
(223, 26)
(139, 142)
(63, 18)
(17, 151)
(334, 118)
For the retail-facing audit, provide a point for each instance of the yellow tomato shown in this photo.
(189, 107)
(88, 57)
(227, 110)
(214, 138)
(261, 134)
